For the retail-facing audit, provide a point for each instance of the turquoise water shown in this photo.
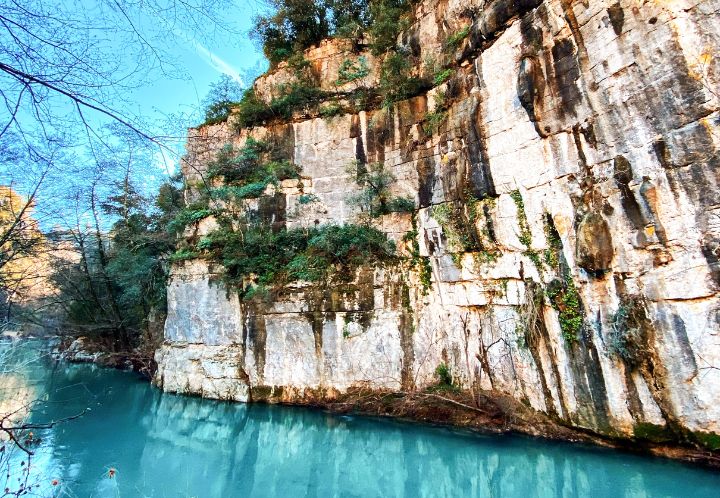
(163, 445)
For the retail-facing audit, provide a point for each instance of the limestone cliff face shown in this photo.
(581, 150)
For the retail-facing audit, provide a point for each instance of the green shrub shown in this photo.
(454, 40)
(307, 199)
(184, 255)
(388, 20)
(565, 298)
(459, 220)
(444, 375)
(188, 215)
(400, 205)
(238, 167)
(419, 263)
(252, 110)
(331, 110)
(443, 76)
(235, 193)
(282, 170)
(458, 230)
(294, 97)
(553, 253)
(374, 199)
(244, 173)
(396, 80)
(329, 252)
(352, 71)
(433, 121)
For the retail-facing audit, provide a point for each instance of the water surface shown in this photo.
(162, 445)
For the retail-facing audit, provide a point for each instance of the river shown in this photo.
(136, 441)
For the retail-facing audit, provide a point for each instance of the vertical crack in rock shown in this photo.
(356, 133)
(378, 132)
(475, 144)
(633, 403)
(531, 79)
(407, 329)
(589, 382)
(317, 319)
(426, 180)
(536, 333)
(255, 335)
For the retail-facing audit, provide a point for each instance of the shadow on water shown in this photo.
(172, 446)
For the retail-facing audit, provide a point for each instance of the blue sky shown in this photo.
(203, 63)
(195, 53)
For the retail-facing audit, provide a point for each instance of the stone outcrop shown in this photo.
(584, 140)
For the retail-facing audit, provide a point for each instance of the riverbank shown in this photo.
(492, 413)
(85, 350)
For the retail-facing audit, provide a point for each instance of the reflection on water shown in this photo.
(163, 445)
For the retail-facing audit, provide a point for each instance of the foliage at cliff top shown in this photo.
(222, 97)
(294, 25)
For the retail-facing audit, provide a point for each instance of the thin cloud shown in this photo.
(210, 58)
(217, 63)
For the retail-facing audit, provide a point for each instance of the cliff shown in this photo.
(564, 245)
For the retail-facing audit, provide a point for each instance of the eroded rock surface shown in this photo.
(586, 135)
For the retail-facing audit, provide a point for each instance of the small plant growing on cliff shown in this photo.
(530, 327)
(305, 199)
(331, 110)
(525, 235)
(352, 71)
(565, 298)
(271, 258)
(553, 253)
(444, 375)
(396, 80)
(419, 263)
(374, 198)
(453, 41)
(433, 121)
(299, 96)
(244, 172)
(442, 76)
(458, 221)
